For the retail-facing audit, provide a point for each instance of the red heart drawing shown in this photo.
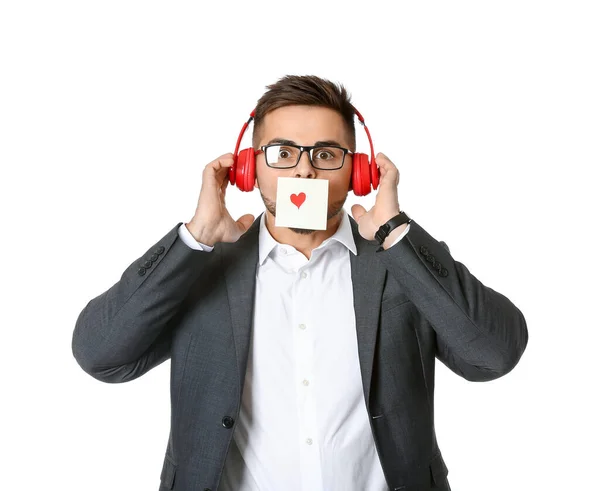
(298, 199)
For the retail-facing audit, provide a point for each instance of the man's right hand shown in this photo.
(212, 222)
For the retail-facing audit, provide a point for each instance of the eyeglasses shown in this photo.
(280, 156)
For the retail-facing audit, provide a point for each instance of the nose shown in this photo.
(304, 169)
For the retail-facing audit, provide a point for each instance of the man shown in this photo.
(300, 359)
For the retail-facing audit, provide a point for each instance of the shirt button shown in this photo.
(302, 326)
(283, 250)
(305, 382)
(309, 441)
(304, 274)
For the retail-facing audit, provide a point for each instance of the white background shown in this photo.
(110, 110)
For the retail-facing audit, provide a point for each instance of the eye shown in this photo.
(324, 155)
(286, 153)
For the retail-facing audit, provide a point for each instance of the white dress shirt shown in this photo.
(303, 422)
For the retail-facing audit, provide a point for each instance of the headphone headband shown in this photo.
(362, 122)
(365, 172)
(246, 124)
(360, 119)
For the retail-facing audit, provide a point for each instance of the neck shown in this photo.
(304, 243)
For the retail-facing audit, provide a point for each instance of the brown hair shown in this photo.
(307, 90)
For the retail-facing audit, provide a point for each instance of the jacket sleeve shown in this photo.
(126, 331)
(480, 333)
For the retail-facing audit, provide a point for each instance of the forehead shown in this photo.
(304, 125)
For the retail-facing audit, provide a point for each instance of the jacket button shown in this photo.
(153, 257)
(142, 271)
(430, 258)
(424, 250)
(444, 272)
(148, 263)
(159, 250)
(227, 422)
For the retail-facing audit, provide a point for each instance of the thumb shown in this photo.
(358, 211)
(244, 222)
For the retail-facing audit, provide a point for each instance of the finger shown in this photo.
(388, 171)
(225, 157)
(357, 211)
(244, 222)
(218, 169)
(383, 161)
(223, 162)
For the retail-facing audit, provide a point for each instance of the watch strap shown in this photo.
(390, 225)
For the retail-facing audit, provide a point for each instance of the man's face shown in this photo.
(304, 125)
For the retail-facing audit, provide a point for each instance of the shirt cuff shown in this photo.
(188, 239)
(400, 236)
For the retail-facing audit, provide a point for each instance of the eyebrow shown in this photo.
(283, 141)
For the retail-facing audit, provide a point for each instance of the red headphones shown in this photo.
(364, 172)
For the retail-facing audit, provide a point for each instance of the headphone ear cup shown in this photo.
(374, 168)
(354, 185)
(233, 171)
(361, 174)
(250, 170)
(245, 172)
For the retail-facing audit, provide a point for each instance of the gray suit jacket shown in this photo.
(413, 303)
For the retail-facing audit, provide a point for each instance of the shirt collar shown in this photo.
(343, 235)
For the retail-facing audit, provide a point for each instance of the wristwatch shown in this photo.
(390, 225)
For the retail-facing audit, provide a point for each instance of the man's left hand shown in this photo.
(386, 203)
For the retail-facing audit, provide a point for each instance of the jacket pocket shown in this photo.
(390, 303)
(167, 475)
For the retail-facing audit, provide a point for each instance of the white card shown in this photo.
(302, 203)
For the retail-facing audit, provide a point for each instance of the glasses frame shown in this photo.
(304, 148)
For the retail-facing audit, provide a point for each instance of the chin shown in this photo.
(302, 231)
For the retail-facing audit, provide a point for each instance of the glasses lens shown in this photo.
(282, 156)
(327, 157)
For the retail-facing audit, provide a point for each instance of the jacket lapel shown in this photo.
(368, 278)
(239, 261)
